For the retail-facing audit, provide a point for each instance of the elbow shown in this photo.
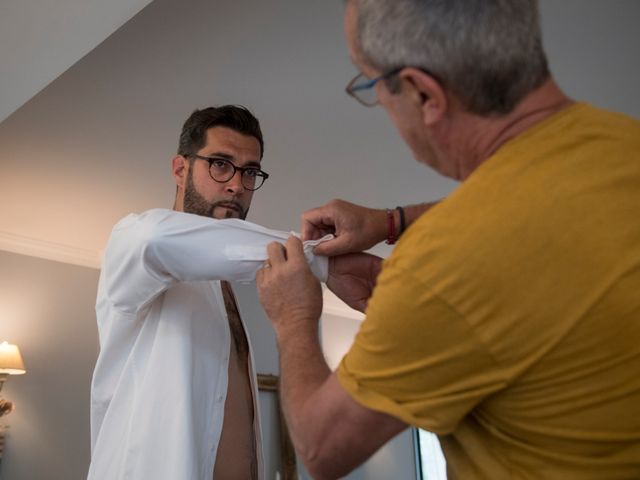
(326, 471)
(309, 451)
(321, 473)
(318, 468)
(324, 465)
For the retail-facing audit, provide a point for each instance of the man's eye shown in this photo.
(220, 164)
(252, 172)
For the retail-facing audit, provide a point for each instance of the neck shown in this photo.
(178, 203)
(471, 139)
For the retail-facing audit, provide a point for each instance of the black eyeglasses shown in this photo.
(222, 170)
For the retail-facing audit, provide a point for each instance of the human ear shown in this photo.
(180, 168)
(428, 92)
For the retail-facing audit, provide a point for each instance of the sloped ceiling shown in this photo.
(41, 39)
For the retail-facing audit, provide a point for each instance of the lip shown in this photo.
(229, 206)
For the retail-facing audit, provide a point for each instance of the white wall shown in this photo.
(593, 50)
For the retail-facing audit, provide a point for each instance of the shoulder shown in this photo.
(149, 216)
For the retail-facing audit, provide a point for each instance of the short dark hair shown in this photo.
(236, 117)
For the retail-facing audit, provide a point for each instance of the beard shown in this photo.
(198, 205)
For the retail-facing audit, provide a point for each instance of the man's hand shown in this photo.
(352, 278)
(356, 228)
(290, 294)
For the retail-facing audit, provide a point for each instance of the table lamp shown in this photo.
(10, 364)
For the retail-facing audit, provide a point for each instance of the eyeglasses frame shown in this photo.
(354, 87)
(210, 160)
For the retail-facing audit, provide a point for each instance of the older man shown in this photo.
(507, 319)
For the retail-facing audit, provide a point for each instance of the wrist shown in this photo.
(402, 220)
(392, 229)
(396, 224)
(296, 327)
(377, 219)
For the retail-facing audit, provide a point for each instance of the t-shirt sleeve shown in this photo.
(416, 358)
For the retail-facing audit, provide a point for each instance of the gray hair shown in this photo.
(488, 53)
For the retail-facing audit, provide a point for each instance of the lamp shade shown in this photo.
(10, 359)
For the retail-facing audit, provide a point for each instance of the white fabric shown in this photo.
(160, 382)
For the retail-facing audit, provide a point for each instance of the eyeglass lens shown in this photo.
(222, 170)
(362, 89)
(367, 95)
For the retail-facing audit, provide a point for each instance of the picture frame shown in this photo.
(288, 467)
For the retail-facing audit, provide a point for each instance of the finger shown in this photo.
(295, 250)
(266, 265)
(312, 225)
(276, 254)
(336, 246)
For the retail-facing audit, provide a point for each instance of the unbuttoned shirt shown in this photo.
(160, 381)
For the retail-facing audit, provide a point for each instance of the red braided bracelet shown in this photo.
(391, 231)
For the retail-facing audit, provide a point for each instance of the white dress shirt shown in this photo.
(160, 382)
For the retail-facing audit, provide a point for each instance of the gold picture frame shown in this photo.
(289, 471)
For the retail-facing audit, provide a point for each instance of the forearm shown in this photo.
(147, 253)
(409, 214)
(326, 424)
(321, 427)
(413, 212)
(332, 433)
(402, 217)
(303, 370)
(192, 248)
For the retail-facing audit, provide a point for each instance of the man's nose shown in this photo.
(235, 184)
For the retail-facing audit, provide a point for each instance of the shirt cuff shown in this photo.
(319, 264)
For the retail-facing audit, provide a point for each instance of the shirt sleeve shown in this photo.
(416, 358)
(149, 252)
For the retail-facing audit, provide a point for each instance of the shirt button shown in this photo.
(220, 398)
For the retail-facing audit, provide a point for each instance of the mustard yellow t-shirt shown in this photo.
(507, 319)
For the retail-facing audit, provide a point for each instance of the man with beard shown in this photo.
(174, 390)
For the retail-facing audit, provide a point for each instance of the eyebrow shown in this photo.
(231, 158)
